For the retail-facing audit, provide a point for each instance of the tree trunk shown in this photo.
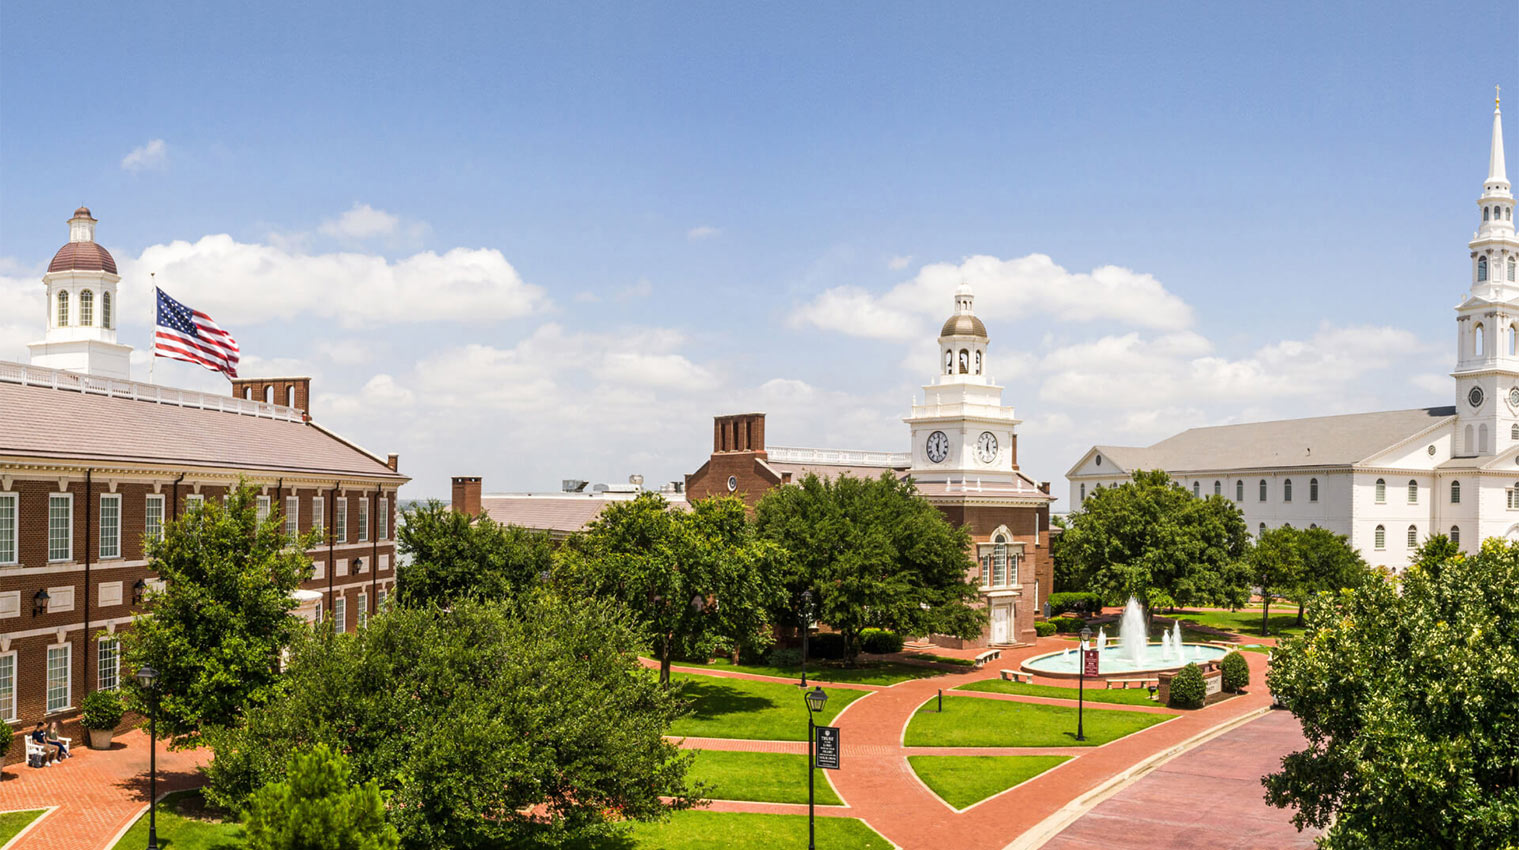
(664, 663)
(1300, 607)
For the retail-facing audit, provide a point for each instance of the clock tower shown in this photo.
(962, 432)
(1487, 320)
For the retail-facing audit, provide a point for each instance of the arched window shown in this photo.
(1467, 441)
(949, 363)
(105, 309)
(1197, 489)
(1455, 492)
(269, 394)
(1313, 489)
(1263, 529)
(1486, 213)
(1218, 488)
(1379, 540)
(248, 393)
(1239, 491)
(999, 561)
(1455, 534)
(290, 396)
(1381, 491)
(1083, 492)
(1413, 492)
(1481, 269)
(1287, 490)
(978, 362)
(1263, 490)
(1477, 346)
(1508, 215)
(1513, 433)
(1511, 269)
(1312, 525)
(964, 362)
(1413, 536)
(1482, 438)
(1509, 334)
(63, 308)
(86, 308)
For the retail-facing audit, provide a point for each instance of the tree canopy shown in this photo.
(318, 806)
(215, 632)
(523, 723)
(698, 581)
(1329, 564)
(1407, 692)
(451, 556)
(874, 554)
(1152, 539)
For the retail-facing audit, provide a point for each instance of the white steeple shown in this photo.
(1495, 170)
(1496, 204)
(82, 309)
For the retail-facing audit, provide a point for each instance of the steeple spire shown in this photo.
(1495, 170)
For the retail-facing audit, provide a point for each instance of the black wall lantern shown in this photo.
(139, 589)
(39, 602)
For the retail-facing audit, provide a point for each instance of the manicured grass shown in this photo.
(11, 823)
(944, 659)
(1281, 620)
(739, 708)
(864, 673)
(184, 823)
(761, 777)
(1132, 696)
(963, 780)
(699, 830)
(976, 722)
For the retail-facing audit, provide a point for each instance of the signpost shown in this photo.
(827, 747)
(1088, 668)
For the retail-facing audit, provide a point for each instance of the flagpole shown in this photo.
(153, 328)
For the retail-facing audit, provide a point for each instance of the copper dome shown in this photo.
(82, 256)
(963, 324)
(83, 212)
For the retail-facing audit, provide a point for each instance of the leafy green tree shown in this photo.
(318, 807)
(1276, 566)
(1408, 693)
(520, 723)
(1152, 539)
(450, 556)
(215, 632)
(874, 554)
(698, 580)
(1329, 564)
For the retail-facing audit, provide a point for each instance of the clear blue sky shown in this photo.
(684, 183)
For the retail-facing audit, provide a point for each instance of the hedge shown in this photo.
(1236, 672)
(1086, 603)
(1187, 688)
(1044, 628)
(1068, 624)
(880, 641)
(828, 646)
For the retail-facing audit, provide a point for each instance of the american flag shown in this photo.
(185, 334)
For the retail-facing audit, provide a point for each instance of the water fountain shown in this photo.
(1132, 636)
(1176, 634)
(1102, 639)
(1165, 645)
(1130, 652)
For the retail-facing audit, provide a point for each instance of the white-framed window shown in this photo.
(293, 516)
(1455, 534)
(1413, 536)
(1262, 530)
(382, 521)
(105, 309)
(1287, 490)
(153, 518)
(363, 519)
(339, 614)
(342, 520)
(1381, 491)
(261, 509)
(1313, 489)
(1513, 497)
(8, 528)
(1197, 489)
(363, 609)
(379, 600)
(110, 526)
(999, 562)
(1083, 492)
(109, 666)
(1239, 490)
(318, 513)
(1455, 492)
(8, 686)
(1263, 490)
(1218, 488)
(60, 527)
(194, 501)
(63, 308)
(1379, 539)
(86, 308)
(60, 677)
(1413, 492)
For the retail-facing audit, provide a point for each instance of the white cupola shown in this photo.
(82, 307)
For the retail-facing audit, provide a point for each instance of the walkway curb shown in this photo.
(1036, 835)
(15, 839)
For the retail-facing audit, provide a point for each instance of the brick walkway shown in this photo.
(1210, 797)
(97, 791)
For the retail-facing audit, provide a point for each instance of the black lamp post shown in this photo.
(816, 699)
(1086, 635)
(148, 678)
(806, 627)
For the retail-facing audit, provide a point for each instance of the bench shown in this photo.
(989, 655)
(47, 751)
(1017, 676)
(1123, 684)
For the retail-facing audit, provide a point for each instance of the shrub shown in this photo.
(101, 710)
(1187, 688)
(1236, 672)
(828, 645)
(880, 641)
(5, 743)
(1044, 628)
(784, 657)
(318, 805)
(1085, 603)
(1065, 625)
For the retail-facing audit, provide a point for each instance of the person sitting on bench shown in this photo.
(52, 738)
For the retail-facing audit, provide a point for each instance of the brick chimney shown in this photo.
(739, 432)
(393, 461)
(290, 392)
(467, 494)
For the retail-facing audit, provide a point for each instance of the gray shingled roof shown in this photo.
(1315, 441)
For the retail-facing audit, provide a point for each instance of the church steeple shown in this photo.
(1496, 202)
(1495, 169)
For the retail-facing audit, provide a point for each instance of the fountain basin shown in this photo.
(1113, 661)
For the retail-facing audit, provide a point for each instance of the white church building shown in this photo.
(1388, 480)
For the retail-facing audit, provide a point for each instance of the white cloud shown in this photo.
(152, 156)
(243, 282)
(857, 312)
(704, 231)
(346, 352)
(642, 289)
(897, 264)
(362, 221)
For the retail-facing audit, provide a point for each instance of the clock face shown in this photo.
(938, 447)
(732, 483)
(986, 447)
(1513, 397)
(1475, 397)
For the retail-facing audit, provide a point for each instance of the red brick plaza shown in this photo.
(1192, 781)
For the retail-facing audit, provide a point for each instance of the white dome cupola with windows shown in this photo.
(82, 308)
(962, 342)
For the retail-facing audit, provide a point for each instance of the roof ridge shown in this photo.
(28, 375)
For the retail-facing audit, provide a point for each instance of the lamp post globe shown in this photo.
(147, 677)
(816, 699)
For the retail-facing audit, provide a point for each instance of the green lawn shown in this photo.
(12, 823)
(739, 708)
(964, 780)
(699, 830)
(865, 673)
(976, 722)
(761, 777)
(185, 824)
(1132, 696)
(1281, 620)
